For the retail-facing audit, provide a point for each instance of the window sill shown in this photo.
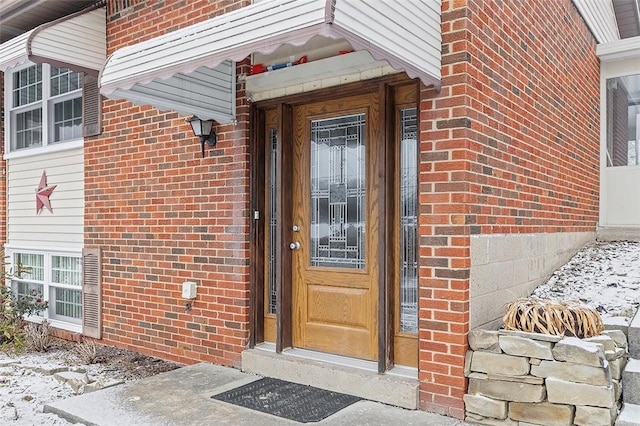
(62, 325)
(49, 149)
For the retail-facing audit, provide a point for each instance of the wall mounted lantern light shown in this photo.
(204, 130)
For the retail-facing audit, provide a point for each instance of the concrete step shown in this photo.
(629, 415)
(400, 391)
(631, 382)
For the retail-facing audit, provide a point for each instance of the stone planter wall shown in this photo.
(517, 377)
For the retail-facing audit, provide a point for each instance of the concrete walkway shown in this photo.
(183, 397)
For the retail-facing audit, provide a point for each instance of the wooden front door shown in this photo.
(335, 269)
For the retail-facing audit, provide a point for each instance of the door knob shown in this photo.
(294, 245)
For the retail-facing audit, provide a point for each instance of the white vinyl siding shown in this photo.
(64, 228)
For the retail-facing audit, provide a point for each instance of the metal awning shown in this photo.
(77, 41)
(191, 70)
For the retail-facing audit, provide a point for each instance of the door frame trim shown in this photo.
(386, 255)
(386, 252)
(284, 278)
(256, 228)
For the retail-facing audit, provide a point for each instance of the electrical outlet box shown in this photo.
(189, 290)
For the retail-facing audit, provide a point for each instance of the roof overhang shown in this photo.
(191, 70)
(600, 17)
(620, 49)
(627, 17)
(76, 41)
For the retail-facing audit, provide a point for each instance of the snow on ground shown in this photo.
(605, 276)
(23, 392)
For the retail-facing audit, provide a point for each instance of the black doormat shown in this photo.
(289, 400)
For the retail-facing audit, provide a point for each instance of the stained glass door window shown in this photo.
(408, 221)
(338, 214)
(273, 218)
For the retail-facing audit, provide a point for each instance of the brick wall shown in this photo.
(164, 215)
(509, 145)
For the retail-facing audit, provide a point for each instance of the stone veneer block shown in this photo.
(607, 342)
(617, 389)
(467, 363)
(578, 351)
(523, 379)
(542, 413)
(616, 323)
(507, 391)
(618, 337)
(484, 340)
(534, 336)
(486, 407)
(615, 354)
(616, 367)
(563, 392)
(475, 419)
(507, 365)
(524, 346)
(587, 416)
(578, 373)
(532, 380)
(471, 417)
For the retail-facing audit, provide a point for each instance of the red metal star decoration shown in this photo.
(42, 194)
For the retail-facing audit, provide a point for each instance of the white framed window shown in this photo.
(623, 121)
(56, 278)
(44, 109)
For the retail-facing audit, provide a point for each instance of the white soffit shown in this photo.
(191, 70)
(77, 41)
(600, 17)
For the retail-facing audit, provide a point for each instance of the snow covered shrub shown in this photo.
(546, 316)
